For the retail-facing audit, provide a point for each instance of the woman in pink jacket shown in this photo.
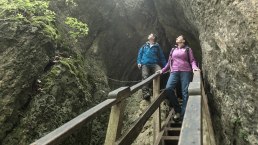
(181, 63)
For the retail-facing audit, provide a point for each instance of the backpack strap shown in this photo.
(188, 55)
(172, 50)
(171, 53)
(144, 45)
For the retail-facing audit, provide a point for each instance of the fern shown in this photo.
(78, 29)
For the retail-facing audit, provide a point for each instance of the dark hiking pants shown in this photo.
(148, 70)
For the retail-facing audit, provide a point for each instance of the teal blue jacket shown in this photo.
(151, 55)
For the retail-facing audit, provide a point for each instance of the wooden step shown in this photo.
(174, 124)
(170, 140)
(173, 131)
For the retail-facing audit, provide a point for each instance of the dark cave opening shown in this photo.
(127, 30)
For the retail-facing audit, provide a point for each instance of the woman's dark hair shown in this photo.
(186, 41)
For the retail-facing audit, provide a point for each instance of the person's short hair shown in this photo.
(155, 37)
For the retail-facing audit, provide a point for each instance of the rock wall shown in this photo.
(228, 35)
(225, 30)
(223, 35)
(23, 58)
(45, 82)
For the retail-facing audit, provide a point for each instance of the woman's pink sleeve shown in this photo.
(192, 59)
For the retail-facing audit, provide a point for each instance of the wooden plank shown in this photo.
(191, 127)
(206, 115)
(173, 129)
(136, 128)
(197, 76)
(170, 140)
(157, 114)
(120, 93)
(115, 123)
(205, 130)
(158, 141)
(142, 83)
(68, 128)
(170, 137)
(195, 86)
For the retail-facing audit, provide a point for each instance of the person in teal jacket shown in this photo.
(150, 59)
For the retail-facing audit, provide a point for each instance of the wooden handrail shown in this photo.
(68, 128)
(115, 98)
(142, 83)
(120, 93)
(191, 126)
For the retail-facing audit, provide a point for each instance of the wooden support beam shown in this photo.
(129, 136)
(116, 116)
(115, 123)
(157, 114)
(208, 132)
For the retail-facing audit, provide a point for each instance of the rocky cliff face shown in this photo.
(223, 35)
(226, 32)
(44, 82)
(228, 35)
(23, 58)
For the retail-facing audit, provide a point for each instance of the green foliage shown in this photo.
(26, 9)
(37, 14)
(34, 12)
(78, 29)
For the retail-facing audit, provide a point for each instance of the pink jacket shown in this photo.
(178, 60)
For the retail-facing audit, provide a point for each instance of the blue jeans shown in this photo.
(174, 79)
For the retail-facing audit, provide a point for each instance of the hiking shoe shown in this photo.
(146, 97)
(177, 117)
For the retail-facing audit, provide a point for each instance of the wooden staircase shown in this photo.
(170, 131)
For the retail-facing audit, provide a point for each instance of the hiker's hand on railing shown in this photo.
(159, 71)
(139, 66)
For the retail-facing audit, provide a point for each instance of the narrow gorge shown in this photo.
(49, 75)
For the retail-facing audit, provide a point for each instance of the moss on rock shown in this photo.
(38, 91)
(67, 90)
